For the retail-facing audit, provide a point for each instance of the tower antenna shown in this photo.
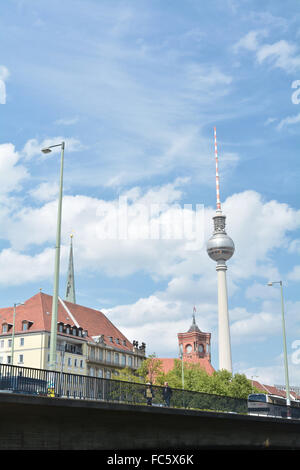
(217, 172)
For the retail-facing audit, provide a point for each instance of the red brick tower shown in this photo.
(194, 344)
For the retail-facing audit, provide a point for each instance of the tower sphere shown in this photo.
(220, 247)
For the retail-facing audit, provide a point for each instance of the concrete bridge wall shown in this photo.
(43, 423)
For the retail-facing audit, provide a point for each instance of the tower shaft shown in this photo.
(225, 361)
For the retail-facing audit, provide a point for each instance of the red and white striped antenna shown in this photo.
(217, 172)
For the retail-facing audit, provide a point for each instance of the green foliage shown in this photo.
(126, 375)
(151, 369)
(219, 383)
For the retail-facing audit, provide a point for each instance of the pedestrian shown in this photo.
(167, 394)
(149, 393)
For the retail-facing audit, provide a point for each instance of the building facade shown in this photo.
(88, 343)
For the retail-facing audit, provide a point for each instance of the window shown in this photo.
(8, 360)
(21, 341)
(123, 360)
(69, 362)
(108, 356)
(81, 364)
(2, 343)
(4, 328)
(21, 359)
(108, 374)
(100, 373)
(1, 359)
(116, 358)
(111, 339)
(100, 354)
(75, 362)
(130, 361)
(118, 341)
(25, 326)
(9, 343)
(60, 328)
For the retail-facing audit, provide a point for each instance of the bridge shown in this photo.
(47, 423)
(46, 410)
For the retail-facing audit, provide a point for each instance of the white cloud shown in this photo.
(67, 121)
(249, 41)
(260, 291)
(4, 74)
(45, 192)
(256, 226)
(18, 268)
(290, 120)
(258, 326)
(11, 172)
(294, 275)
(281, 54)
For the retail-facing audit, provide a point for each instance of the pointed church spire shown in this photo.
(194, 326)
(70, 290)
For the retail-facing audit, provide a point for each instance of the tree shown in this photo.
(151, 369)
(126, 375)
(196, 379)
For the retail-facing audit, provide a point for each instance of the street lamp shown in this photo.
(287, 385)
(252, 380)
(182, 367)
(53, 335)
(13, 334)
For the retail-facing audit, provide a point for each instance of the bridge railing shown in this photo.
(16, 379)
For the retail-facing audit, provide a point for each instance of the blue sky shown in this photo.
(135, 89)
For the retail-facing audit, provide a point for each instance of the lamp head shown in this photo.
(270, 284)
(46, 150)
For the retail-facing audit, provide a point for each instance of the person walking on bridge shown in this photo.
(167, 394)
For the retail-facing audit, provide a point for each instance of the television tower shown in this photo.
(220, 248)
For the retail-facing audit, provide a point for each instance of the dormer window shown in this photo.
(5, 327)
(26, 324)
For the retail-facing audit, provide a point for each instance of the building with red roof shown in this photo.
(87, 341)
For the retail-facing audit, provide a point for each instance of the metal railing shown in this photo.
(41, 382)
(16, 379)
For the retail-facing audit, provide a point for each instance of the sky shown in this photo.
(135, 88)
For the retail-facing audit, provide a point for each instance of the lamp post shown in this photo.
(13, 334)
(53, 335)
(252, 380)
(287, 385)
(182, 368)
